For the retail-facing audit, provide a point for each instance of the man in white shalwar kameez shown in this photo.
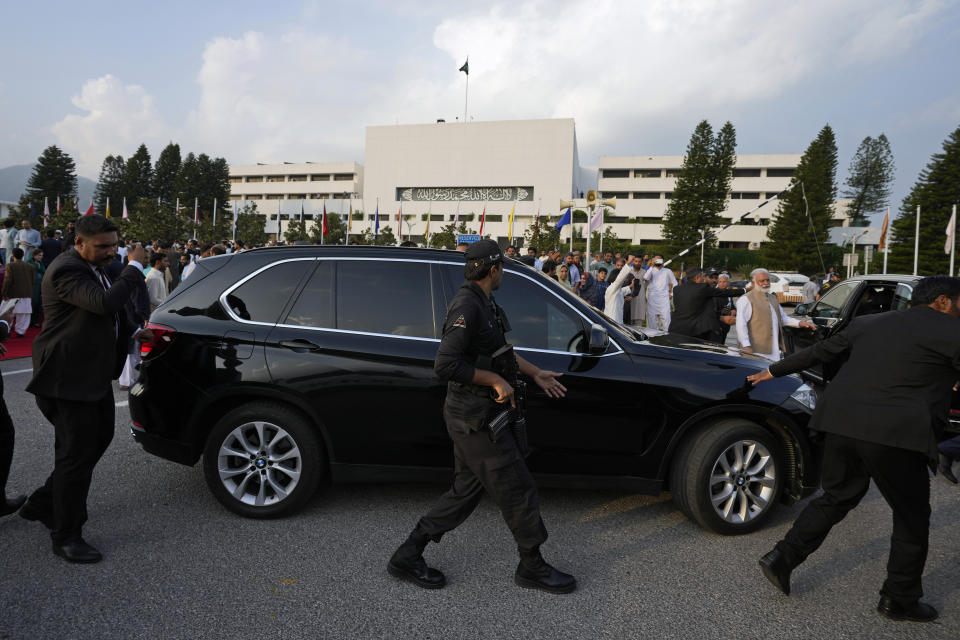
(660, 284)
(613, 299)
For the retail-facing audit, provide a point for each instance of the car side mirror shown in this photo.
(801, 310)
(598, 338)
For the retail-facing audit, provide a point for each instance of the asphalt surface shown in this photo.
(177, 565)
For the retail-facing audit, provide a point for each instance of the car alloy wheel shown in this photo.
(259, 463)
(743, 481)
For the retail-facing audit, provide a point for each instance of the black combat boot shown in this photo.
(533, 572)
(407, 563)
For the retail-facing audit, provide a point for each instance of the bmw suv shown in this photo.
(286, 368)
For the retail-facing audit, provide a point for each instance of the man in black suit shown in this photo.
(7, 505)
(51, 247)
(694, 312)
(883, 414)
(80, 350)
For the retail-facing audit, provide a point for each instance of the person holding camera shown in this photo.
(483, 414)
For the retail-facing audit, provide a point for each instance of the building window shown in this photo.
(494, 218)
(647, 173)
(236, 179)
(321, 196)
(341, 196)
(297, 178)
(254, 178)
(733, 245)
(236, 196)
(668, 195)
(274, 196)
(780, 173)
(646, 195)
(746, 173)
(673, 173)
(276, 178)
(343, 176)
(646, 220)
(320, 176)
(615, 173)
(623, 195)
(744, 195)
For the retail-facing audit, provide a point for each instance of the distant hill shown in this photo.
(13, 182)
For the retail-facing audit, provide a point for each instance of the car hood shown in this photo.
(677, 341)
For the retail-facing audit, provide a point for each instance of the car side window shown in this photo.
(832, 303)
(902, 296)
(263, 297)
(773, 278)
(315, 304)
(538, 320)
(382, 296)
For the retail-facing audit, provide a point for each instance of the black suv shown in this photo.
(284, 367)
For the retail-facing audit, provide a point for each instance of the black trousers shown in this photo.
(497, 467)
(83, 431)
(6, 443)
(904, 480)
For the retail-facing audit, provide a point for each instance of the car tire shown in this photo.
(263, 460)
(727, 477)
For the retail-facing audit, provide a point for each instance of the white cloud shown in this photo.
(117, 119)
(621, 69)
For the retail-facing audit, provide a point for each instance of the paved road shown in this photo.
(179, 566)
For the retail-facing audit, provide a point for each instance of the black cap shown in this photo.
(712, 271)
(483, 251)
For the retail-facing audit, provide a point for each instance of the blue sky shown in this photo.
(295, 81)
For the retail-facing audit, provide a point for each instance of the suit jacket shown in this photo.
(51, 249)
(19, 279)
(694, 312)
(894, 387)
(80, 348)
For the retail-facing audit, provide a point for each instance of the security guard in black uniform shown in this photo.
(483, 413)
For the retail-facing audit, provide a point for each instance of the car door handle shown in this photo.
(300, 345)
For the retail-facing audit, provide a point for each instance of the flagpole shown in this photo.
(466, 93)
(916, 243)
(214, 238)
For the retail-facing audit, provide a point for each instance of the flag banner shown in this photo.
(214, 212)
(466, 66)
(400, 223)
(510, 224)
(376, 221)
(951, 231)
(46, 211)
(177, 212)
(234, 223)
(883, 233)
(58, 204)
(90, 210)
(483, 216)
(456, 216)
(301, 212)
(196, 210)
(108, 208)
(564, 219)
(126, 214)
(326, 229)
(597, 221)
(350, 216)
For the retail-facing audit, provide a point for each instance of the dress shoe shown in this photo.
(777, 570)
(946, 469)
(407, 563)
(77, 550)
(29, 512)
(534, 572)
(916, 612)
(9, 505)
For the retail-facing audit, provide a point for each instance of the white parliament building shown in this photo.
(449, 169)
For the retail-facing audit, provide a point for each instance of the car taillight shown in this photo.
(162, 338)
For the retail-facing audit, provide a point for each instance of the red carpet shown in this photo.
(20, 347)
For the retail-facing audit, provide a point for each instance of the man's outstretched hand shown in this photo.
(760, 377)
(547, 380)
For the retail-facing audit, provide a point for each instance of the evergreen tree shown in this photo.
(110, 185)
(147, 223)
(385, 237)
(187, 182)
(296, 231)
(936, 191)
(138, 176)
(446, 237)
(798, 231)
(703, 186)
(165, 174)
(55, 174)
(868, 185)
(250, 225)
